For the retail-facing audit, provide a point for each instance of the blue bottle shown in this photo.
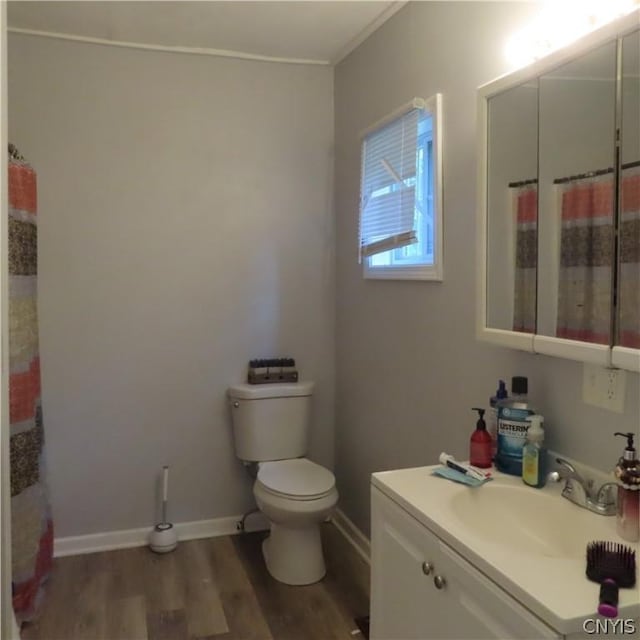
(513, 423)
(492, 421)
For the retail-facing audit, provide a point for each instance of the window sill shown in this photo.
(415, 272)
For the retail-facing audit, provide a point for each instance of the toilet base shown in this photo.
(294, 556)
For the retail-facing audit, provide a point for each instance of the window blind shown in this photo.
(388, 185)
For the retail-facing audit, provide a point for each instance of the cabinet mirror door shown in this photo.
(576, 247)
(628, 319)
(512, 208)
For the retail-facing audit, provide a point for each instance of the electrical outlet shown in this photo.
(604, 388)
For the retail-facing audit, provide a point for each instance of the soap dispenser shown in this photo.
(480, 447)
(627, 474)
(534, 454)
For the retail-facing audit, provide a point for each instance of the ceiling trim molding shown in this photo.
(201, 51)
(368, 30)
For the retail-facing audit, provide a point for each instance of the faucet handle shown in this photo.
(554, 476)
(605, 494)
(565, 463)
(567, 471)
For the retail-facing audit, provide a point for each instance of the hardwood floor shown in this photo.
(215, 588)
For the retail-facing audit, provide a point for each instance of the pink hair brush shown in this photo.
(612, 565)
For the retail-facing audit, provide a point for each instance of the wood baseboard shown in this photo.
(127, 538)
(350, 531)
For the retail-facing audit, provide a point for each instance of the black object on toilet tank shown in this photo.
(272, 370)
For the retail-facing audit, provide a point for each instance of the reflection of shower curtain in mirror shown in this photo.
(31, 525)
(586, 250)
(525, 207)
(629, 282)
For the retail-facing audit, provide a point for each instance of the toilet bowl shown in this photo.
(295, 495)
(271, 431)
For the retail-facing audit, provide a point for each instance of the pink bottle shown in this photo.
(480, 449)
(628, 476)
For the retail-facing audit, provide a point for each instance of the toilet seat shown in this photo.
(296, 479)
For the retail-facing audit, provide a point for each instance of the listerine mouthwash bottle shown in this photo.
(513, 414)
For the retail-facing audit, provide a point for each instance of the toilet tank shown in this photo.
(270, 421)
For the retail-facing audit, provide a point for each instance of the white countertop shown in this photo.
(554, 588)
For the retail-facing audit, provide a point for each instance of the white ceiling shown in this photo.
(323, 31)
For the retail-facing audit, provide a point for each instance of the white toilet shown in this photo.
(270, 426)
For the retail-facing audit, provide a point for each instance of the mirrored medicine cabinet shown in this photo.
(559, 202)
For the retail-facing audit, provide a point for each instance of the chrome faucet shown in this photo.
(579, 491)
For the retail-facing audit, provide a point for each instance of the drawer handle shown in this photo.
(427, 568)
(440, 582)
(236, 404)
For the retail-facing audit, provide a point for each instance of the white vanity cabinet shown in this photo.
(422, 589)
(449, 561)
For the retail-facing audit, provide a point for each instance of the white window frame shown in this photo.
(432, 272)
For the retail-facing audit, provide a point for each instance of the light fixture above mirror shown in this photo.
(559, 23)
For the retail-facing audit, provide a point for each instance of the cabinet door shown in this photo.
(577, 194)
(626, 350)
(484, 610)
(405, 602)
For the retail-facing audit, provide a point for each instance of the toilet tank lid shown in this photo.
(276, 390)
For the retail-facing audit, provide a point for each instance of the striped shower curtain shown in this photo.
(31, 524)
(525, 208)
(629, 281)
(586, 258)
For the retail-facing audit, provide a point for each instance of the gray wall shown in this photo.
(408, 365)
(184, 227)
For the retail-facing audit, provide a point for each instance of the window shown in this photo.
(401, 194)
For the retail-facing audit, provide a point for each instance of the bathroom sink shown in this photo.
(537, 522)
(531, 542)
